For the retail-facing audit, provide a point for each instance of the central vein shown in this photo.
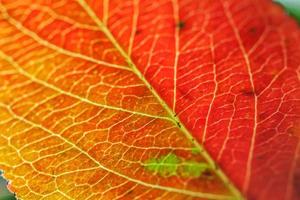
(172, 114)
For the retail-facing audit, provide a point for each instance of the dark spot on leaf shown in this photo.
(260, 157)
(138, 31)
(178, 124)
(208, 174)
(180, 25)
(249, 93)
(253, 30)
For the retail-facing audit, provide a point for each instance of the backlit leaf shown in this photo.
(140, 99)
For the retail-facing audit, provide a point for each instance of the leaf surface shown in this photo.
(149, 100)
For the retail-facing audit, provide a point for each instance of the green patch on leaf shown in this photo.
(164, 166)
(193, 168)
(195, 151)
(172, 165)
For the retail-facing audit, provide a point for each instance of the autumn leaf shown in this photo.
(140, 99)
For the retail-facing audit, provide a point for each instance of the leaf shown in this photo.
(92, 92)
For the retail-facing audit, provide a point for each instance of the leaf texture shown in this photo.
(126, 99)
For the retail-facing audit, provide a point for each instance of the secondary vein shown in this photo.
(59, 90)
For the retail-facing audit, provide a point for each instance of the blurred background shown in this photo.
(4, 193)
(292, 8)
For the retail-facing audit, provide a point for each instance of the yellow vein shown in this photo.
(57, 89)
(134, 25)
(55, 15)
(44, 42)
(212, 47)
(173, 115)
(105, 11)
(249, 71)
(169, 189)
(176, 37)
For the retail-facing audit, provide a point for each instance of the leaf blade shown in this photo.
(186, 103)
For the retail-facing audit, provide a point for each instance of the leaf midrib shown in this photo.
(172, 115)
